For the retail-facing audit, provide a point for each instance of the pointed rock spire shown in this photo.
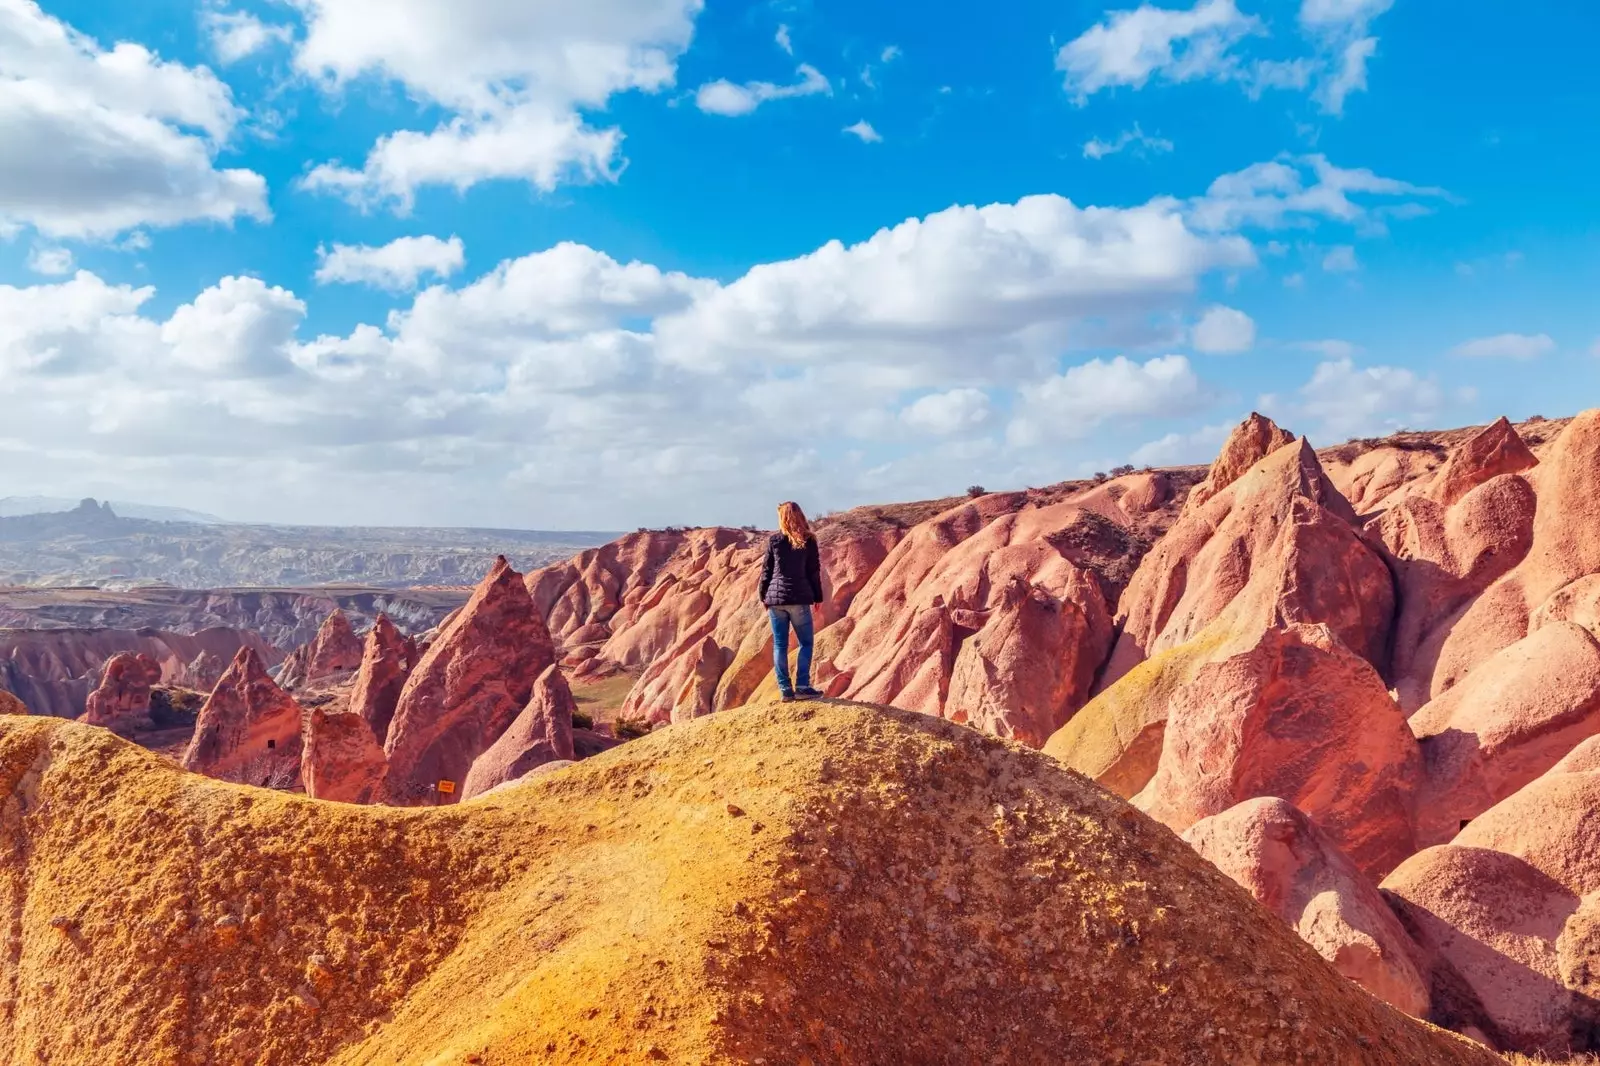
(386, 662)
(123, 698)
(1250, 442)
(541, 734)
(1497, 450)
(341, 760)
(335, 650)
(249, 729)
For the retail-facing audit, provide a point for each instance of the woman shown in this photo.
(791, 581)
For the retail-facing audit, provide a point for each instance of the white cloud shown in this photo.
(1297, 190)
(1518, 346)
(1294, 281)
(51, 262)
(1341, 260)
(945, 413)
(396, 266)
(1072, 404)
(723, 97)
(240, 327)
(513, 79)
(1322, 14)
(1343, 401)
(1350, 76)
(1134, 138)
(1183, 449)
(1131, 47)
(1224, 331)
(131, 138)
(891, 53)
(783, 40)
(236, 35)
(864, 130)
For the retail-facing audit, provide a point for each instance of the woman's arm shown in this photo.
(814, 569)
(766, 575)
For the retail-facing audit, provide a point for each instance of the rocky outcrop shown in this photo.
(9, 704)
(1279, 855)
(1044, 920)
(340, 760)
(1250, 442)
(386, 662)
(122, 702)
(1276, 546)
(248, 731)
(468, 687)
(334, 652)
(1508, 722)
(1302, 718)
(541, 734)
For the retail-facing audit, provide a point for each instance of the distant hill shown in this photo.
(16, 506)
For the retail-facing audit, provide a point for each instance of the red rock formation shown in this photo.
(386, 661)
(1277, 545)
(203, 671)
(334, 652)
(340, 760)
(1277, 854)
(1497, 450)
(1302, 718)
(123, 699)
(1510, 721)
(249, 729)
(9, 704)
(468, 687)
(1250, 442)
(589, 589)
(541, 734)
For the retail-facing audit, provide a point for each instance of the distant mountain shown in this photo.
(16, 506)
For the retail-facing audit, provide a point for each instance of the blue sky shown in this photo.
(647, 261)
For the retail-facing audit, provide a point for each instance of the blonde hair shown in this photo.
(792, 524)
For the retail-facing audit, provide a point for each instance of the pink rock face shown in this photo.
(248, 731)
(340, 760)
(541, 734)
(123, 698)
(1250, 442)
(1510, 721)
(1497, 450)
(468, 688)
(386, 662)
(1299, 717)
(1565, 549)
(1492, 929)
(202, 672)
(335, 651)
(1293, 869)
(591, 588)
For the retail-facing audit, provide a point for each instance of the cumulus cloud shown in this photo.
(945, 413)
(723, 97)
(51, 262)
(1343, 400)
(237, 35)
(865, 132)
(1224, 331)
(1341, 260)
(514, 80)
(132, 138)
(1300, 190)
(1074, 403)
(1517, 346)
(1135, 139)
(395, 267)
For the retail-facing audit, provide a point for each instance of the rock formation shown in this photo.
(1276, 545)
(334, 652)
(9, 704)
(1299, 717)
(340, 759)
(386, 662)
(541, 734)
(1250, 442)
(122, 702)
(249, 729)
(841, 878)
(1293, 869)
(468, 687)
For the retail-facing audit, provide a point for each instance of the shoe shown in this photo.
(786, 697)
(808, 693)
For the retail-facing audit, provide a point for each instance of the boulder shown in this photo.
(386, 662)
(341, 761)
(335, 652)
(1302, 718)
(1507, 723)
(541, 734)
(248, 731)
(468, 687)
(122, 701)
(1276, 546)
(1279, 855)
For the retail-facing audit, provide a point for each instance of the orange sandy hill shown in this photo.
(788, 884)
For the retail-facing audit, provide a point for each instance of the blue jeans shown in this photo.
(797, 616)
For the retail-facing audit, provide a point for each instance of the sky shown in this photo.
(539, 264)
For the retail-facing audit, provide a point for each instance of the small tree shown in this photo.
(1100, 477)
(975, 491)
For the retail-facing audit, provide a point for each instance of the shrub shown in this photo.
(630, 728)
(1122, 471)
(580, 720)
(974, 491)
(1100, 477)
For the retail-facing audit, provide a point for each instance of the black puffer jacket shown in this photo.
(791, 575)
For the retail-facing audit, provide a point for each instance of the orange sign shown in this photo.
(447, 787)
